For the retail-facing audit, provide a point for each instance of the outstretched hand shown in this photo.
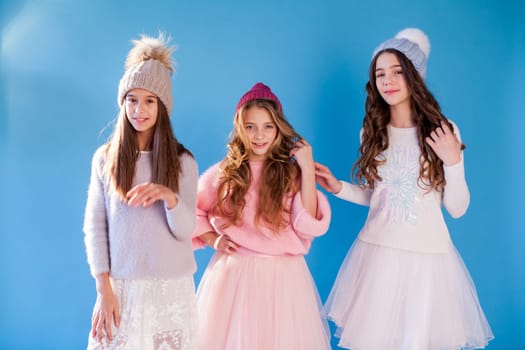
(326, 179)
(148, 193)
(445, 144)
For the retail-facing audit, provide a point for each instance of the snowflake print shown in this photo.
(400, 193)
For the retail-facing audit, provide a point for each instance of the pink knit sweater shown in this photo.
(294, 239)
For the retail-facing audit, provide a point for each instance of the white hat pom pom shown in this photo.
(416, 36)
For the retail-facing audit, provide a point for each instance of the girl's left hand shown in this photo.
(445, 144)
(302, 152)
(148, 193)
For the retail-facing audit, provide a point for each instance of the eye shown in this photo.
(249, 127)
(151, 100)
(399, 72)
(131, 99)
(380, 75)
(269, 126)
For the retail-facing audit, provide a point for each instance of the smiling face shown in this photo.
(390, 80)
(142, 111)
(260, 132)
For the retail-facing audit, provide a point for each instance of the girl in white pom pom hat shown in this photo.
(140, 215)
(403, 284)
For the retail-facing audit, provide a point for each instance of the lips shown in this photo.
(390, 92)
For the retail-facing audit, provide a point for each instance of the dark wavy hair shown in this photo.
(122, 152)
(426, 115)
(279, 178)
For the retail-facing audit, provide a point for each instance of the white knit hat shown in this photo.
(414, 44)
(149, 66)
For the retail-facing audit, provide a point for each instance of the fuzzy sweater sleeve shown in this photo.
(305, 224)
(95, 219)
(181, 218)
(206, 198)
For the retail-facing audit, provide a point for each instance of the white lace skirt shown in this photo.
(154, 315)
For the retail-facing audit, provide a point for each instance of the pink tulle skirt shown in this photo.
(386, 299)
(259, 303)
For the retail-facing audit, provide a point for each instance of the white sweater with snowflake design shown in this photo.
(403, 214)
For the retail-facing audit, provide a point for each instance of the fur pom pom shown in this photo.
(417, 36)
(150, 48)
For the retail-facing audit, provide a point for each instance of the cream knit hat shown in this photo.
(149, 66)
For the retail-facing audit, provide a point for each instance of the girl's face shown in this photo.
(260, 131)
(142, 110)
(390, 80)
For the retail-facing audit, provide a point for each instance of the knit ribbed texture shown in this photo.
(258, 91)
(414, 44)
(151, 75)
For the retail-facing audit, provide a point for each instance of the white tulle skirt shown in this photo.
(391, 299)
(154, 315)
(259, 303)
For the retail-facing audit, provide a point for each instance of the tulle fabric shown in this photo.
(392, 299)
(259, 303)
(155, 315)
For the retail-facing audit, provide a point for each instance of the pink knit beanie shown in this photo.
(259, 92)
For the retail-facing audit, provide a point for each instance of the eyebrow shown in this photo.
(147, 96)
(392, 66)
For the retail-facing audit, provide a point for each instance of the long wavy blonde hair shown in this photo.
(427, 117)
(279, 178)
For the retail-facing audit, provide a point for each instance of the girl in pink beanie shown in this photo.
(260, 210)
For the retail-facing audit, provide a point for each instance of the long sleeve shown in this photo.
(456, 197)
(181, 218)
(305, 224)
(355, 194)
(206, 197)
(95, 220)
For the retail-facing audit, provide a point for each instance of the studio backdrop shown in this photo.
(60, 65)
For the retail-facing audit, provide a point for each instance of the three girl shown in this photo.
(259, 208)
(140, 215)
(403, 284)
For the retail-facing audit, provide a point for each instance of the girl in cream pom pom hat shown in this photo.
(140, 215)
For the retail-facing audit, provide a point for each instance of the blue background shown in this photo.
(60, 66)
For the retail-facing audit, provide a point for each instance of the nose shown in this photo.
(388, 79)
(138, 107)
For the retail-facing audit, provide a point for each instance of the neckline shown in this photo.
(405, 130)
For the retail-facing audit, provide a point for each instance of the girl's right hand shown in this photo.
(223, 243)
(326, 179)
(105, 312)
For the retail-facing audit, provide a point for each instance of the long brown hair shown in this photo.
(426, 115)
(122, 152)
(279, 178)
